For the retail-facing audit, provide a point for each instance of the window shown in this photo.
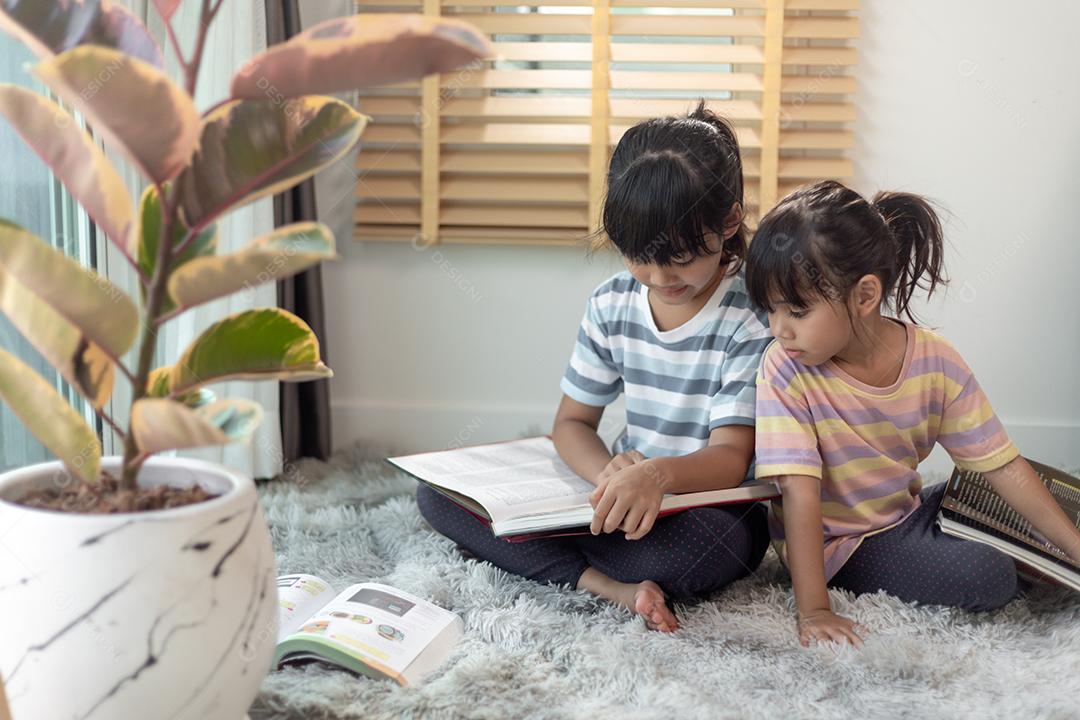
(31, 197)
(516, 152)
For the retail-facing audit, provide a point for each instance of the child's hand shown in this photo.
(823, 625)
(616, 464)
(628, 500)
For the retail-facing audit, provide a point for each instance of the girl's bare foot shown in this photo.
(644, 598)
(649, 604)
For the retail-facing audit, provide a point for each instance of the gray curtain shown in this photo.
(305, 407)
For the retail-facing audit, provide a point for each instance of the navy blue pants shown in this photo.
(689, 555)
(917, 562)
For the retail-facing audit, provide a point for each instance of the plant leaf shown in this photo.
(361, 51)
(250, 149)
(74, 158)
(285, 252)
(135, 106)
(48, 27)
(262, 344)
(157, 386)
(205, 242)
(49, 418)
(160, 425)
(198, 398)
(104, 314)
(79, 360)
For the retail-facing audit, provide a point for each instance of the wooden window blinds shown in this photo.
(516, 151)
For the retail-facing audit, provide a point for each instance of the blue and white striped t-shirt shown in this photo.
(680, 384)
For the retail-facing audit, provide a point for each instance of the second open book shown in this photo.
(523, 489)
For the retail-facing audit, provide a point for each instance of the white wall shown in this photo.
(975, 104)
(971, 103)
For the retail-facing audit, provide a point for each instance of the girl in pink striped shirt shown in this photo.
(849, 401)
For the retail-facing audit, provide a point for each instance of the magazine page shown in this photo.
(299, 597)
(509, 479)
(971, 494)
(381, 626)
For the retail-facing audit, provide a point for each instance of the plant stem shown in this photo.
(169, 315)
(123, 370)
(188, 239)
(133, 459)
(135, 266)
(112, 423)
(175, 44)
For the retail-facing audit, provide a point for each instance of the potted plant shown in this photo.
(142, 586)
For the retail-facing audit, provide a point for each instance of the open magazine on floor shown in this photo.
(972, 509)
(368, 628)
(523, 489)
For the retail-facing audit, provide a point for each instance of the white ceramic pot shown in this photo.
(164, 614)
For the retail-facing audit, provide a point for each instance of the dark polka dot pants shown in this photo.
(689, 555)
(917, 562)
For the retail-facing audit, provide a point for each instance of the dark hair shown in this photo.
(671, 180)
(820, 239)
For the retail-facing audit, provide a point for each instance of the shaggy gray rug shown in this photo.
(533, 651)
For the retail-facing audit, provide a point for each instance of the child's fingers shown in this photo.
(632, 520)
(616, 515)
(838, 635)
(635, 457)
(595, 495)
(646, 525)
(842, 635)
(853, 638)
(602, 509)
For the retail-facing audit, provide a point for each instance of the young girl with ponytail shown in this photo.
(849, 401)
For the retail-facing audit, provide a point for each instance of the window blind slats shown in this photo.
(516, 162)
(529, 23)
(515, 150)
(641, 108)
(820, 84)
(687, 25)
(740, 4)
(643, 80)
(661, 52)
(545, 51)
(811, 140)
(524, 190)
(387, 161)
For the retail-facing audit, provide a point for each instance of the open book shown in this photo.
(369, 629)
(972, 509)
(523, 489)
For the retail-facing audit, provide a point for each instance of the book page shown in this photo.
(378, 625)
(299, 597)
(971, 494)
(510, 479)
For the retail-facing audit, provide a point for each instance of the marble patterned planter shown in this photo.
(165, 614)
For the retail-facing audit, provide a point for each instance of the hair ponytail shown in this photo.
(821, 239)
(920, 245)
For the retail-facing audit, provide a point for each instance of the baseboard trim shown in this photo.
(416, 427)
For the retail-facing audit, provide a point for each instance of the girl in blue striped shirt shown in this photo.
(677, 334)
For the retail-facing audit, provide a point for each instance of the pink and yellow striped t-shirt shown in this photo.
(863, 442)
